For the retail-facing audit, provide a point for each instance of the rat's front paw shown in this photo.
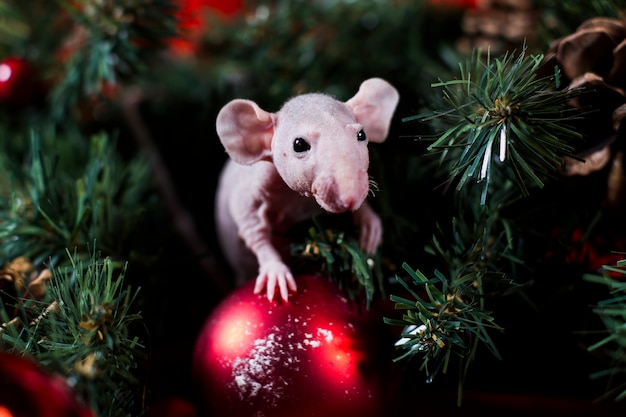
(370, 233)
(272, 273)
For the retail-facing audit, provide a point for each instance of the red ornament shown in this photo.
(459, 4)
(190, 16)
(20, 84)
(172, 406)
(316, 355)
(26, 390)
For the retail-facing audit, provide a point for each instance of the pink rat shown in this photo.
(286, 167)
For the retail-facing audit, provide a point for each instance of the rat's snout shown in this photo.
(340, 196)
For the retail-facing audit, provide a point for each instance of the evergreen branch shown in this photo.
(448, 316)
(53, 205)
(109, 42)
(441, 324)
(612, 312)
(503, 114)
(81, 331)
(340, 255)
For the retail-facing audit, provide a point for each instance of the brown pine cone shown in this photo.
(594, 58)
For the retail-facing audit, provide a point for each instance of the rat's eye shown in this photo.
(361, 136)
(300, 145)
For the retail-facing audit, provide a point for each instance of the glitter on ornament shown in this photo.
(316, 355)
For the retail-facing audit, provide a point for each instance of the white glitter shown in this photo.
(253, 375)
(313, 343)
(328, 335)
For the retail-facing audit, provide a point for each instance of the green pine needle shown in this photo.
(50, 204)
(612, 312)
(80, 330)
(441, 323)
(504, 120)
(346, 263)
(113, 42)
(445, 316)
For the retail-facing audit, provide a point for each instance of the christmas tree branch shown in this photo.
(504, 119)
(343, 259)
(108, 42)
(446, 315)
(80, 329)
(612, 312)
(53, 204)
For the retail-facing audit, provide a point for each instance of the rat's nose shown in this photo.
(351, 203)
(336, 198)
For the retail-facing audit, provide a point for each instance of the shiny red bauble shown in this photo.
(20, 84)
(27, 390)
(171, 406)
(319, 354)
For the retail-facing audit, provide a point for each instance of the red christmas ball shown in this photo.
(319, 354)
(172, 406)
(19, 82)
(27, 390)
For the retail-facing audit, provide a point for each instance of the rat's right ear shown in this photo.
(246, 131)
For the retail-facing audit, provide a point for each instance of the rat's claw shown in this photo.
(271, 287)
(275, 273)
(286, 283)
(371, 229)
(260, 283)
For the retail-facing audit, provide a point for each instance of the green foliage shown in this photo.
(612, 312)
(80, 330)
(94, 44)
(114, 40)
(560, 18)
(505, 121)
(340, 255)
(283, 48)
(442, 321)
(447, 316)
(51, 204)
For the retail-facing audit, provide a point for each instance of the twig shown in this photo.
(182, 218)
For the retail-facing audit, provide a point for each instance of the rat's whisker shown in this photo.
(373, 187)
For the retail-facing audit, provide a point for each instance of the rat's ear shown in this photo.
(373, 106)
(246, 131)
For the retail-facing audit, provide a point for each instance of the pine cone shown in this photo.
(26, 280)
(594, 58)
(498, 26)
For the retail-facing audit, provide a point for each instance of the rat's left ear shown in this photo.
(373, 106)
(246, 131)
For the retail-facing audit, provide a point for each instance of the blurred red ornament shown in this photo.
(596, 251)
(190, 20)
(171, 407)
(460, 4)
(26, 390)
(20, 84)
(316, 355)
(227, 7)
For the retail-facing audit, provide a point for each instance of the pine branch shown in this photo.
(87, 46)
(612, 312)
(55, 203)
(339, 254)
(447, 316)
(80, 330)
(562, 17)
(504, 120)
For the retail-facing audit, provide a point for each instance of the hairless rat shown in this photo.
(285, 167)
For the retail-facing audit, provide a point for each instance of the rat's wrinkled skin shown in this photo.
(285, 167)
